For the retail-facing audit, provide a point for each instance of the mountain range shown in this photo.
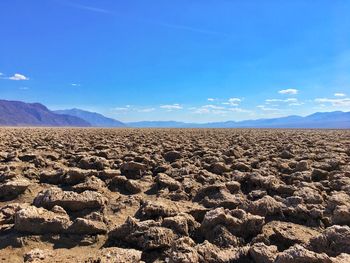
(95, 119)
(329, 120)
(17, 113)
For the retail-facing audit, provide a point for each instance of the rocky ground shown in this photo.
(174, 195)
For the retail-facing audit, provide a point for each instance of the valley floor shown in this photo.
(174, 195)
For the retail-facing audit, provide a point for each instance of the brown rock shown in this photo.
(38, 255)
(218, 196)
(7, 212)
(157, 209)
(83, 226)
(333, 241)
(145, 235)
(183, 251)
(69, 200)
(299, 254)
(266, 206)
(262, 253)
(210, 253)
(219, 168)
(91, 183)
(183, 224)
(133, 170)
(285, 154)
(13, 187)
(237, 221)
(41, 221)
(75, 175)
(319, 175)
(172, 156)
(286, 234)
(165, 181)
(133, 186)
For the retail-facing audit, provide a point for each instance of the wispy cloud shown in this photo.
(296, 103)
(18, 76)
(232, 102)
(339, 94)
(131, 109)
(344, 102)
(76, 84)
(170, 107)
(265, 108)
(240, 110)
(146, 110)
(143, 21)
(288, 91)
(208, 110)
(23, 88)
(215, 107)
(85, 7)
(289, 100)
(121, 110)
(211, 99)
(188, 28)
(218, 110)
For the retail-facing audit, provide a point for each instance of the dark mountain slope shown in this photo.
(95, 119)
(17, 113)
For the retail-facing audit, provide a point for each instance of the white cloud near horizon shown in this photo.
(121, 110)
(146, 110)
(170, 107)
(264, 108)
(206, 110)
(344, 102)
(215, 107)
(210, 99)
(218, 110)
(288, 91)
(289, 100)
(236, 109)
(296, 103)
(232, 102)
(339, 94)
(18, 76)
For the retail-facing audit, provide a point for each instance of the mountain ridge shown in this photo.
(18, 113)
(94, 118)
(335, 119)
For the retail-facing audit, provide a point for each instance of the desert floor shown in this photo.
(174, 195)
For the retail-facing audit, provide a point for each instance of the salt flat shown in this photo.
(174, 195)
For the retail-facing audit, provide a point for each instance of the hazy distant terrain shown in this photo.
(16, 113)
(335, 119)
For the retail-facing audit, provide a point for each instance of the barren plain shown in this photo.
(174, 195)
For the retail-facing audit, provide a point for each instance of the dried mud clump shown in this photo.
(174, 195)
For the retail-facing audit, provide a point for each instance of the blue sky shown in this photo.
(185, 60)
